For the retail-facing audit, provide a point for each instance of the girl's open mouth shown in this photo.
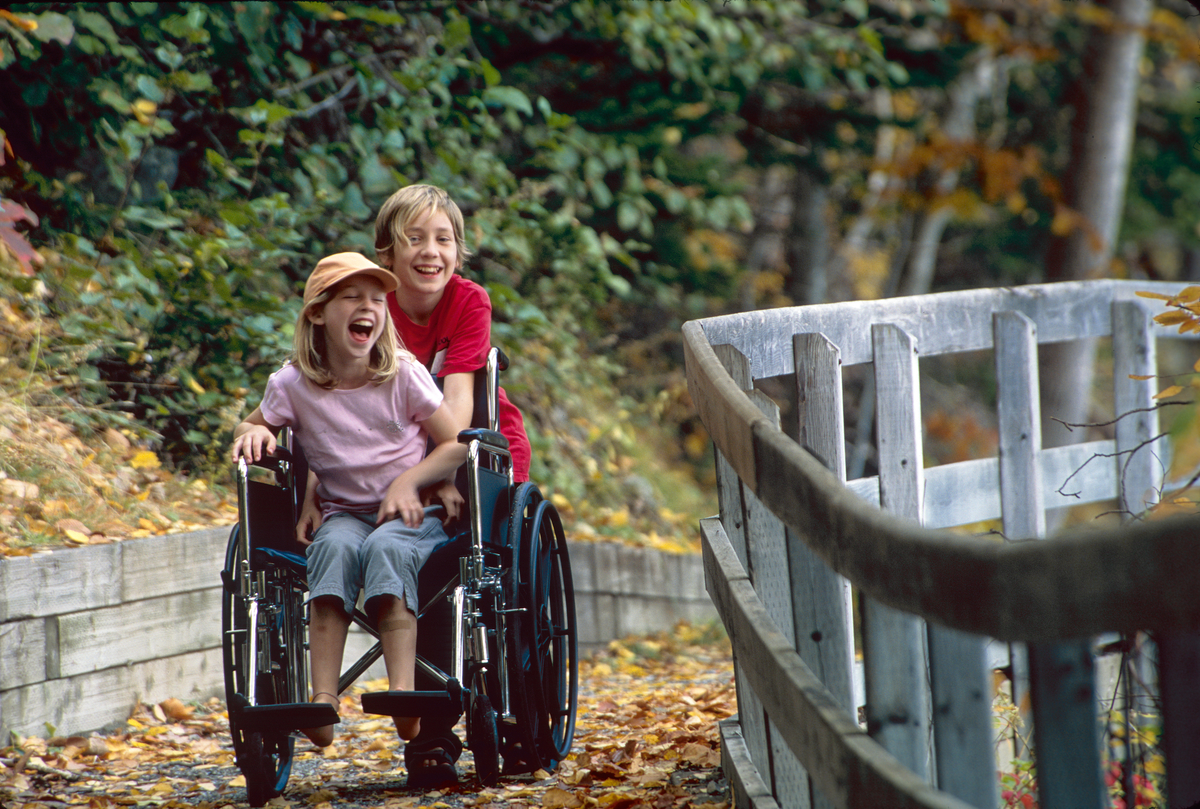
(360, 330)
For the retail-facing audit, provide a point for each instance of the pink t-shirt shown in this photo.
(357, 441)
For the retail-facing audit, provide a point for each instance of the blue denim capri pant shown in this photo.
(349, 552)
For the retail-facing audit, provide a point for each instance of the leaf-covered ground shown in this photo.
(646, 737)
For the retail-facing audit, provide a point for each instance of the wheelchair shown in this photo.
(506, 575)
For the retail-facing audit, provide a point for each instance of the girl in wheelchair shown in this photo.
(362, 408)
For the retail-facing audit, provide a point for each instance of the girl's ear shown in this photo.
(316, 315)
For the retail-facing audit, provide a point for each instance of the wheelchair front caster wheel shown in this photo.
(483, 739)
(266, 762)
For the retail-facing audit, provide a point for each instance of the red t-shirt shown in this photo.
(456, 340)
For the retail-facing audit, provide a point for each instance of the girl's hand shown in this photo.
(253, 442)
(309, 522)
(310, 512)
(403, 502)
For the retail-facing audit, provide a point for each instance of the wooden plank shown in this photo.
(767, 552)
(894, 650)
(1142, 454)
(175, 563)
(24, 652)
(849, 768)
(1017, 405)
(964, 740)
(138, 631)
(1066, 732)
(746, 783)
(52, 583)
(86, 702)
(941, 323)
(726, 412)
(1179, 681)
(821, 599)
(968, 491)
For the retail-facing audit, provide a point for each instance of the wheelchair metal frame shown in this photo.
(513, 662)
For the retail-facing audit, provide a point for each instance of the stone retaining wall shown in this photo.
(87, 633)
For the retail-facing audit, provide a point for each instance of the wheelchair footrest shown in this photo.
(287, 716)
(412, 703)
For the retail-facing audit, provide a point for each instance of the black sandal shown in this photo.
(431, 768)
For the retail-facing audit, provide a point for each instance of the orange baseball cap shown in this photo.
(332, 270)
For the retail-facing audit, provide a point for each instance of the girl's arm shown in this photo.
(403, 499)
(253, 437)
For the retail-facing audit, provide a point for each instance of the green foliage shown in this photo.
(188, 163)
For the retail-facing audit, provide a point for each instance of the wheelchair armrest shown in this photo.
(489, 438)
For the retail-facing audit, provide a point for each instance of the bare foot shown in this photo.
(407, 726)
(323, 735)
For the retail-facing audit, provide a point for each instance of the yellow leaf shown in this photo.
(1196, 366)
(1171, 391)
(144, 110)
(145, 460)
(77, 536)
(1189, 295)
(1141, 377)
(1154, 295)
(23, 23)
(144, 523)
(1171, 318)
(1154, 764)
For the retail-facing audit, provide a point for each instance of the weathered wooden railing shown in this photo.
(790, 528)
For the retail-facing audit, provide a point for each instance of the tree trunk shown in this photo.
(1101, 141)
(807, 240)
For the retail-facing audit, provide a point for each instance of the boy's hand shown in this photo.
(449, 496)
(403, 502)
(256, 441)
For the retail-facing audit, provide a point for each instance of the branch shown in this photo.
(1071, 426)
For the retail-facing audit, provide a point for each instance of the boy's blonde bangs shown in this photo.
(406, 206)
(308, 349)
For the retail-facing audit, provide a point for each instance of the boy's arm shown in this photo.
(254, 437)
(403, 499)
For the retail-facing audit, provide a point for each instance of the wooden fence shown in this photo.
(794, 539)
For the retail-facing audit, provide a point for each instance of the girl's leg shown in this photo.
(398, 634)
(391, 557)
(327, 628)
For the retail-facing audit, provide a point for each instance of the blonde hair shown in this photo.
(406, 206)
(309, 352)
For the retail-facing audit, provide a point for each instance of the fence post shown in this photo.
(773, 582)
(894, 653)
(1061, 675)
(1140, 479)
(822, 612)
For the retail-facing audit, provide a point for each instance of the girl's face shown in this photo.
(425, 258)
(353, 317)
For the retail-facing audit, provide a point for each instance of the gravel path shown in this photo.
(646, 737)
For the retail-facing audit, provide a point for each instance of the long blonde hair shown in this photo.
(406, 206)
(310, 356)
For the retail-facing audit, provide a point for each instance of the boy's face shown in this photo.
(354, 317)
(425, 258)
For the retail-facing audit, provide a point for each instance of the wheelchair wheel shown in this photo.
(265, 758)
(483, 740)
(521, 748)
(542, 644)
(549, 594)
